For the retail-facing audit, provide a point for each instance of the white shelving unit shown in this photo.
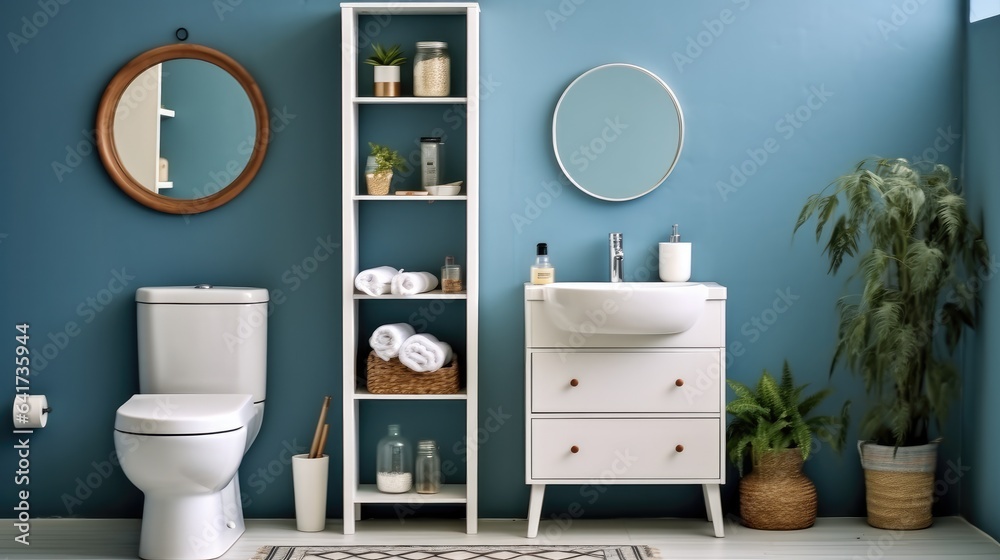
(355, 493)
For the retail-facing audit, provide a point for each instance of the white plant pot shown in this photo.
(387, 81)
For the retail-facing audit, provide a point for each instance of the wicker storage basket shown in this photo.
(899, 484)
(393, 378)
(378, 183)
(776, 495)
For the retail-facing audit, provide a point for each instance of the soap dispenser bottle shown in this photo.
(542, 272)
(675, 259)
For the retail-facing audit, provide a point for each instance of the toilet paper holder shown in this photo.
(30, 411)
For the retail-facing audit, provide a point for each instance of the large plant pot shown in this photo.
(378, 183)
(899, 484)
(776, 495)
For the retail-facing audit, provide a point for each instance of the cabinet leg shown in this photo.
(704, 495)
(357, 512)
(535, 509)
(713, 504)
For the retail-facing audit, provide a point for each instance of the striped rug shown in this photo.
(510, 552)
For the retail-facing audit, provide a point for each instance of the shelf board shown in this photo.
(363, 394)
(160, 185)
(166, 112)
(410, 100)
(433, 294)
(410, 8)
(449, 494)
(411, 198)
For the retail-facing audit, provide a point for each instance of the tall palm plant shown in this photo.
(917, 253)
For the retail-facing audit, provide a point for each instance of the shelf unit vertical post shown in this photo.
(348, 49)
(472, 272)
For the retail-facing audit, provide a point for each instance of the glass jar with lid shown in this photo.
(394, 463)
(432, 69)
(428, 467)
(451, 276)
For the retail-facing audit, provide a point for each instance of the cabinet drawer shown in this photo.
(625, 382)
(614, 449)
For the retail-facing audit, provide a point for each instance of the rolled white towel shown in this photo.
(409, 283)
(424, 352)
(375, 281)
(387, 339)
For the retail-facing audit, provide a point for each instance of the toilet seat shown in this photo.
(184, 414)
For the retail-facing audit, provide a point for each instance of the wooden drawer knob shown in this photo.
(679, 382)
(679, 448)
(574, 449)
(573, 382)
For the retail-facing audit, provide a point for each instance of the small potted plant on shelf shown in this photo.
(918, 254)
(773, 424)
(386, 63)
(378, 172)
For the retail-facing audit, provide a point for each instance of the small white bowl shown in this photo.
(443, 190)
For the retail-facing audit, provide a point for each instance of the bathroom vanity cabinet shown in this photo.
(410, 232)
(608, 409)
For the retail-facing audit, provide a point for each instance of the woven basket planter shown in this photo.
(776, 495)
(393, 378)
(378, 183)
(899, 484)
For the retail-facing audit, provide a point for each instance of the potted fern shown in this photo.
(378, 171)
(916, 253)
(386, 63)
(773, 424)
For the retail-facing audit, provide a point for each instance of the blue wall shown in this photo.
(827, 83)
(982, 169)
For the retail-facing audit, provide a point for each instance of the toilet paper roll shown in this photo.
(30, 411)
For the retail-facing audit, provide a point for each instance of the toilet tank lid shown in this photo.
(184, 414)
(203, 293)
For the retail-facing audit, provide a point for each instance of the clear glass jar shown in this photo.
(451, 276)
(432, 69)
(394, 463)
(428, 467)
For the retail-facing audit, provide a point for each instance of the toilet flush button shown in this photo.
(231, 524)
(204, 287)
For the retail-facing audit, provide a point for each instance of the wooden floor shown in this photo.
(949, 538)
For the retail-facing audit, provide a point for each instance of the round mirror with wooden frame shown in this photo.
(119, 156)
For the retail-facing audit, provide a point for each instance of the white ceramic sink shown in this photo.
(625, 307)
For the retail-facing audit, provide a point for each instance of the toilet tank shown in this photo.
(202, 339)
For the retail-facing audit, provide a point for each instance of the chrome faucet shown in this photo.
(617, 257)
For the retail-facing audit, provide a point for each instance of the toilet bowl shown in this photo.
(183, 452)
(202, 372)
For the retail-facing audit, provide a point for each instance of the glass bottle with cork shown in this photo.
(394, 463)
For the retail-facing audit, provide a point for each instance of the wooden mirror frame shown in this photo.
(106, 137)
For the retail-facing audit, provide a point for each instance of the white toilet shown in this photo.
(202, 370)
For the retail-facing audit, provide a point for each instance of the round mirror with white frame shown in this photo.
(182, 129)
(617, 131)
